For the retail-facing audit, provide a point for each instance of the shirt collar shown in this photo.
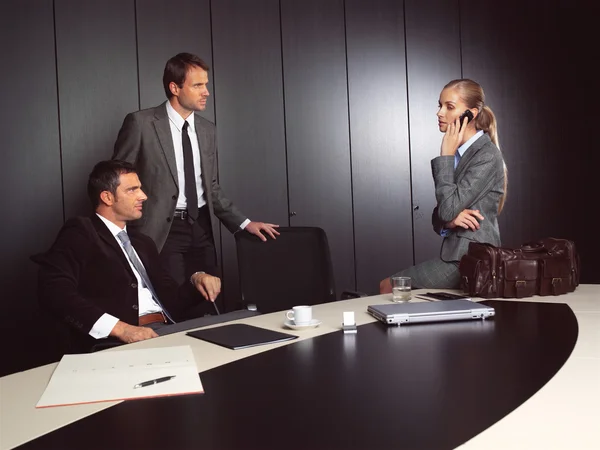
(177, 120)
(113, 228)
(463, 148)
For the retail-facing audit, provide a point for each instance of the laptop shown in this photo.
(441, 311)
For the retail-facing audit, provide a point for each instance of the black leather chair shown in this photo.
(294, 269)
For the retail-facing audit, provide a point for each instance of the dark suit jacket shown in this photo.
(145, 140)
(86, 274)
(477, 183)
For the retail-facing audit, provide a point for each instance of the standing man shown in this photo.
(175, 152)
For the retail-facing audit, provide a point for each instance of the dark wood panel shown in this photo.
(251, 131)
(379, 138)
(30, 175)
(578, 42)
(533, 76)
(164, 29)
(370, 390)
(97, 80)
(316, 117)
(433, 58)
(521, 55)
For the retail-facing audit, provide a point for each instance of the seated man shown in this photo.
(105, 280)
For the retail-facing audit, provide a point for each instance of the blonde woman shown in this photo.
(470, 184)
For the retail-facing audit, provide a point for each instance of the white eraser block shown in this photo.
(349, 318)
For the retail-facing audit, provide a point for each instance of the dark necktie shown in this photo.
(124, 238)
(191, 195)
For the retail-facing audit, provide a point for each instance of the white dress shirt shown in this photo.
(176, 123)
(146, 303)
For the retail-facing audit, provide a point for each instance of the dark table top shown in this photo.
(424, 386)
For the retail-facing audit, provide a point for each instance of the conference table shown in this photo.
(527, 379)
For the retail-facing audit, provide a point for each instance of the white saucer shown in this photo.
(312, 324)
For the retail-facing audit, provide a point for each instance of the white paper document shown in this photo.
(113, 376)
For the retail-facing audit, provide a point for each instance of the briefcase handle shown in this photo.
(534, 247)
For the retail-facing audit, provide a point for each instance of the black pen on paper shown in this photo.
(151, 382)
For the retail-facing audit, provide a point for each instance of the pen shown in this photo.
(151, 382)
(216, 309)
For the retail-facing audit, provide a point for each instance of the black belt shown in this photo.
(180, 214)
(183, 214)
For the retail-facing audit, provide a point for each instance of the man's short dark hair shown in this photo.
(177, 68)
(105, 177)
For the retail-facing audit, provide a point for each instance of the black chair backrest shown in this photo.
(294, 269)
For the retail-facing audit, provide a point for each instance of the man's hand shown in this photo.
(466, 219)
(130, 333)
(385, 287)
(453, 137)
(257, 227)
(207, 285)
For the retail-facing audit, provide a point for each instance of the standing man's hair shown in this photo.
(177, 68)
(105, 177)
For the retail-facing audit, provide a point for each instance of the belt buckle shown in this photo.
(181, 214)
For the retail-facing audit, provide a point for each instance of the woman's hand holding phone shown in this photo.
(454, 133)
(452, 138)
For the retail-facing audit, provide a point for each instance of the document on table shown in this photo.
(117, 375)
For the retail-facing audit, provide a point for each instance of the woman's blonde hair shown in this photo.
(471, 93)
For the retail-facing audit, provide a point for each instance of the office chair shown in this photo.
(294, 269)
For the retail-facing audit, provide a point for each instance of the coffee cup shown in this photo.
(300, 315)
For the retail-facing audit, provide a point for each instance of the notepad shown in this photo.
(114, 375)
(238, 335)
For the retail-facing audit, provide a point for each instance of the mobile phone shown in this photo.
(443, 296)
(468, 114)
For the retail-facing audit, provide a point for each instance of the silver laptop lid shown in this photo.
(399, 313)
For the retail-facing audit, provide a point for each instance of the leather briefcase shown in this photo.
(547, 267)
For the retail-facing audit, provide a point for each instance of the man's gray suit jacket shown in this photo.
(476, 183)
(145, 140)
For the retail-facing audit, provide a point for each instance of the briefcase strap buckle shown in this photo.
(520, 285)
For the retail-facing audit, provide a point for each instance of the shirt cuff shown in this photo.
(244, 224)
(103, 326)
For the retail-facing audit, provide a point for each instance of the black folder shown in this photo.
(239, 335)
